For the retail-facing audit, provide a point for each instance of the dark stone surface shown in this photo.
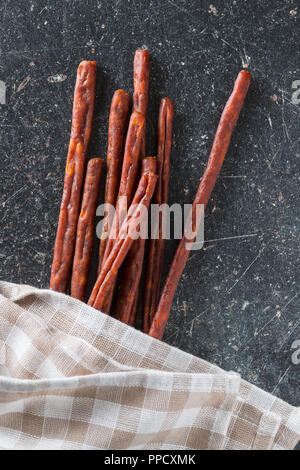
(238, 302)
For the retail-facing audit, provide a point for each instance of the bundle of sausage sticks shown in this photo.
(133, 182)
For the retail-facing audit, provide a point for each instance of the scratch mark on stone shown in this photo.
(232, 238)
(269, 164)
(13, 195)
(179, 8)
(23, 84)
(234, 176)
(246, 270)
(289, 334)
(291, 300)
(280, 379)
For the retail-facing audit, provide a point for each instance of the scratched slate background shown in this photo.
(238, 302)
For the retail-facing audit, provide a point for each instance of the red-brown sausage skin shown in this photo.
(82, 118)
(155, 257)
(85, 229)
(118, 120)
(135, 257)
(109, 271)
(126, 297)
(219, 149)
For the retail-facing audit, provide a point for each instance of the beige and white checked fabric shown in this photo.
(74, 378)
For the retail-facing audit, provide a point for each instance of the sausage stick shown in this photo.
(83, 110)
(128, 175)
(116, 137)
(156, 245)
(85, 229)
(219, 149)
(131, 275)
(107, 277)
(141, 74)
(127, 184)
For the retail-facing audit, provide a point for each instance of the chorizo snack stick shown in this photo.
(219, 149)
(83, 110)
(116, 137)
(85, 229)
(141, 73)
(127, 184)
(128, 175)
(109, 271)
(156, 245)
(133, 266)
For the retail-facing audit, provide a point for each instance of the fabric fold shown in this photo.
(74, 378)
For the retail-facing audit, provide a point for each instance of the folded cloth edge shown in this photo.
(279, 425)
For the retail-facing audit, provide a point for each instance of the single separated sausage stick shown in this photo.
(83, 109)
(219, 149)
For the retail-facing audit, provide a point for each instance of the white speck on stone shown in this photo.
(57, 78)
(103, 26)
(270, 122)
(278, 314)
(245, 305)
(293, 12)
(246, 61)
(212, 9)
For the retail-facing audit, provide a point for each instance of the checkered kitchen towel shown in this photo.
(74, 378)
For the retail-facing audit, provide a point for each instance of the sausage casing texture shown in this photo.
(135, 257)
(128, 175)
(85, 229)
(127, 184)
(219, 149)
(109, 271)
(83, 109)
(141, 75)
(155, 257)
(118, 120)
(126, 298)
